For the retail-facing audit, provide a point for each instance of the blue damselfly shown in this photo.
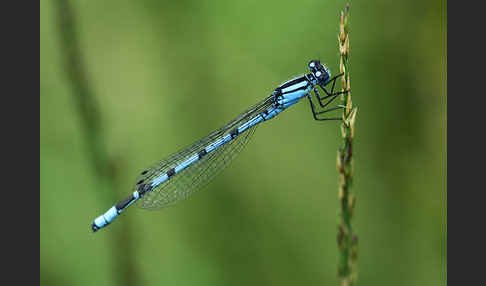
(174, 178)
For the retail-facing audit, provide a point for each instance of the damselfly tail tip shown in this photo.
(94, 228)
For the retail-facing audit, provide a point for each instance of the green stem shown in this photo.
(347, 240)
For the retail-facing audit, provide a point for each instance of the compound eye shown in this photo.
(312, 64)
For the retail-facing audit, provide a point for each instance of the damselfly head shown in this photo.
(319, 71)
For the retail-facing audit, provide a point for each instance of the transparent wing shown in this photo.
(195, 176)
(178, 157)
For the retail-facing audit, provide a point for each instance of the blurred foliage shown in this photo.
(166, 73)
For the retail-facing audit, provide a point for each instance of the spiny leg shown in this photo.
(333, 84)
(314, 113)
(329, 110)
(320, 99)
(333, 80)
(331, 94)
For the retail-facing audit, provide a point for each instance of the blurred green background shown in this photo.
(166, 73)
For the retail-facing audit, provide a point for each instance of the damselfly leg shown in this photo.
(330, 95)
(321, 99)
(316, 113)
(326, 100)
(333, 80)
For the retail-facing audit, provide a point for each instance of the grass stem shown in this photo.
(347, 239)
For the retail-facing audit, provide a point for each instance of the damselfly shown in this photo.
(174, 178)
